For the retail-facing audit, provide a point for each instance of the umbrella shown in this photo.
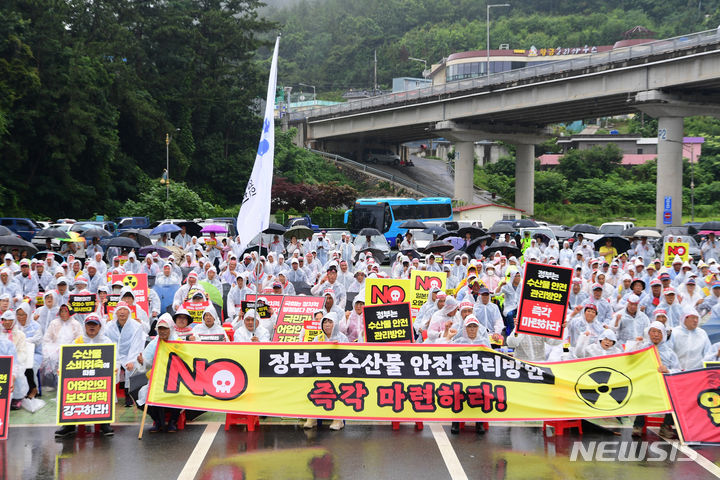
(453, 253)
(73, 237)
(43, 255)
(438, 246)
(456, 242)
(504, 248)
(710, 226)
(501, 227)
(192, 228)
(476, 243)
(141, 238)
(214, 229)
(646, 233)
(96, 232)
(369, 232)
(413, 225)
(254, 248)
(123, 242)
(5, 231)
(376, 253)
(162, 251)
(275, 229)
(584, 228)
(451, 233)
(524, 223)
(435, 230)
(621, 244)
(300, 231)
(52, 232)
(165, 228)
(213, 293)
(12, 242)
(473, 231)
(411, 253)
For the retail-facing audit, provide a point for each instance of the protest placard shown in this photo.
(86, 385)
(543, 301)
(422, 282)
(6, 364)
(84, 302)
(388, 323)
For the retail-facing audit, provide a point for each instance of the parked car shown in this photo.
(693, 247)
(378, 241)
(81, 227)
(615, 228)
(125, 223)
(24, 227)
(382, 155)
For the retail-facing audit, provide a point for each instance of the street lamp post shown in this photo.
(311, 86)
(487, 26)
(424, 62)
(168, 139)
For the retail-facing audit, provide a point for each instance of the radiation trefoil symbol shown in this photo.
(604, 388)
(130, 281)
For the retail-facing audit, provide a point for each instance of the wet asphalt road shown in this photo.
(283, 450)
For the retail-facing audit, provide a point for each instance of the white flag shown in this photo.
(254, 216)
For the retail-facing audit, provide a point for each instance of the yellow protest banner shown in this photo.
(401, 382)
(671, 249)
(379, 291)
(422, 282)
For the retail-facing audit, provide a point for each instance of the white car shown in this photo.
(382, 155)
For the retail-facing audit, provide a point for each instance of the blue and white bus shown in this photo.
(386, 214)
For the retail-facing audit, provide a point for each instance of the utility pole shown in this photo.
(375, 87)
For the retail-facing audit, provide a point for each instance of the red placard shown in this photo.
(543, 301)
(139, 284)
(695, 398)
(6, 364)
(196, 309)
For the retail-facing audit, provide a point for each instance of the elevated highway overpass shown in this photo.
(668, 79)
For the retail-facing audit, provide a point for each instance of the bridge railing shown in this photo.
(578, 65)
(380, 173)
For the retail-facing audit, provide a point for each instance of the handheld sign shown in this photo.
(543, 301)
(86, 386)
(138, 282)
(422, 282)
(671, 249)
(196, 309)
(263, 311)
(388, 323)
(83, 302)
(295, 311)
(6, 364)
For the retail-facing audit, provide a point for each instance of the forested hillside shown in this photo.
(330, 43)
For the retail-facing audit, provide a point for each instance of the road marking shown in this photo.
(692, 454)
(197, 456)
(448, 453)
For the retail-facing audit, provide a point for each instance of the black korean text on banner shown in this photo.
(83, 302)
(544, 298)
(5, 379)
(86, 387)
(295, 312)
(388, 323)
(262, 311)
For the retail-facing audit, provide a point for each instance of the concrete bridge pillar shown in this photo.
(464, 162)
(670, 111)
(525, 177)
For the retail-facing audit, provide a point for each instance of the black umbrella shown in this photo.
(369, 232)
(452, 254)
(621, 244)
(411, 253)
(435, 230)
(141, 238)
(300, 232)
(584, 228)
(123, 242)
(473, 231)
(5, 231)
(52, 232)
(376, 253)
(162, 251)
(413, 225)
(524, 223)
(501, 227)
(470, 249)
(275, 229)
(710, 226)
(192, 228)
(438, 246)
(254, 248)
(96, 233)
(11, 242)
(504, 248)
(451, 233)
